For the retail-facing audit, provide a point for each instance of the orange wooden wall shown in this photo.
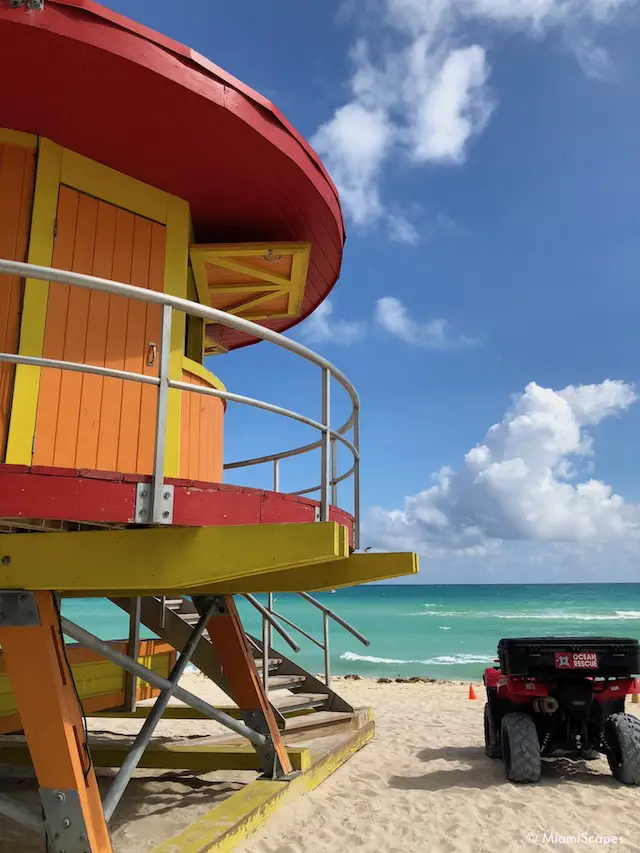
(17, 171)
(89, 421)
(201, 434)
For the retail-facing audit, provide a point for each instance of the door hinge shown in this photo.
(33, 445)
(55, 228)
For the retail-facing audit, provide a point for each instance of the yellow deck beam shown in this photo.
(203, 758)
(178, 712)
(156, 561)
(358, 569)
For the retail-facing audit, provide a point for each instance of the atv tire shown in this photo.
(492, 745)
(622, 734)
(520, 748)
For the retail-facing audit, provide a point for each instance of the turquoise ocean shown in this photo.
(445, 632)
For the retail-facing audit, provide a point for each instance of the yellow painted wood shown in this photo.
(176, 284)
(159, 560)
(179, 712)
(168, 756)
(104, 183)
(34, 309)
(95, 678)
(226, 256)
(17, 137)
(229, 824)
(212, 347)
(202, 372)
(357, 569)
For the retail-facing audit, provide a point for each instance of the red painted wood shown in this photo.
(65, 497)
(93, 496)
(111, 74)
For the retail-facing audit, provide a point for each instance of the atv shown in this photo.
(563, 696)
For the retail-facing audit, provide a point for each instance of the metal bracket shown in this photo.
(64, 821)
(317, 513)
(144, 491)
(18, 609)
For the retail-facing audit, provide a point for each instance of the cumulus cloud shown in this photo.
(436, 334)
(419, 92)
(519, 484)
(322, 327)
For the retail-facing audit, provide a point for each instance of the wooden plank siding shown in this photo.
(89, 421)
(201, 434)
(17, 176)
(100, 682)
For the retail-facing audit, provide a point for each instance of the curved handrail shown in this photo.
(169, 303)
(118, 288)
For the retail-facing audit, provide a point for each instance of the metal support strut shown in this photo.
(141, 742)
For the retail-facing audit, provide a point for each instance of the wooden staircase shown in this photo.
(301, 702)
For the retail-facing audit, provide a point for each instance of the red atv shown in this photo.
(563, 696)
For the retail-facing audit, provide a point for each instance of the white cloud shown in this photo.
(358, 139)
(400, 230)
(519, 484)
(450, 107)
(425, 93)
(322, 327)
(436, 334)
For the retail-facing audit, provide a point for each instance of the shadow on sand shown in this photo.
(481, 772)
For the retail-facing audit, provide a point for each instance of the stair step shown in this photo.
(284, 682)
(274, 663)
(289, 702)
(317, 720)
(173, 603)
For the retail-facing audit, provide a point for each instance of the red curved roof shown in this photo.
(123, 95)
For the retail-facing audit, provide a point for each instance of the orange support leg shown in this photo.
(53, 724)
(247, 690)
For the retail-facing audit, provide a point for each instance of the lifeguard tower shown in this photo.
(155, 211)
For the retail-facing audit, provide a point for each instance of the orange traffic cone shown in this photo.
(472, 692)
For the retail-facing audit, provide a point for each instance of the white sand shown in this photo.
(422, 784)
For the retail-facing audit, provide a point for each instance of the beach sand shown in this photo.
(422, 784)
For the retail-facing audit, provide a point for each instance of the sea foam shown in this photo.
(441, 660)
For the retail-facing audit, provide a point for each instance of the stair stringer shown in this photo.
(310, 684)
(175, 631)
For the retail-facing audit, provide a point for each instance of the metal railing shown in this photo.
(271, 620)
(329, 437)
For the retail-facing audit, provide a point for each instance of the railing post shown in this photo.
(157, 514)
(327, 657)
(326, 445)
(334, 472)
(133, 651)
(276, 475)
(266, 643)
(356, 478)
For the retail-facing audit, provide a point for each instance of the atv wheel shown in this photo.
(622, 734)
(492, 746)
(520, 748)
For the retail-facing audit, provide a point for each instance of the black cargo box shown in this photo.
(554, 657)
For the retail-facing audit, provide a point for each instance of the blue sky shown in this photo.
(487, 153)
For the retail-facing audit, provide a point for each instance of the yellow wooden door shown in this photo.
(89, 421)
(17, 171)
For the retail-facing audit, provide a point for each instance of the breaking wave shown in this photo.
(549, 616)
(441, 660)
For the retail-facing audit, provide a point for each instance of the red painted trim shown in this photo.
(123, 95)
(104, 497)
